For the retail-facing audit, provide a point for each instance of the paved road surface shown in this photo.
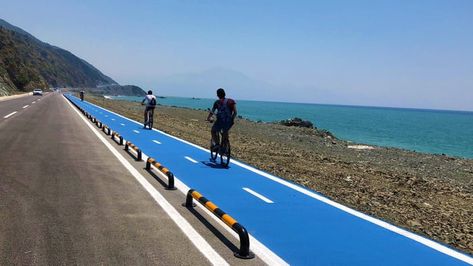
(65, 199)
(301, 227)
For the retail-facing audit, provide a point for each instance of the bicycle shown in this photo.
(149, 118)
(220, 147)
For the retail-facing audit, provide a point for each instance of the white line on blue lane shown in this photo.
(113, 119)
(122, 124)
(190, 159)
(136, 131)
(157, 142)
(256, 194)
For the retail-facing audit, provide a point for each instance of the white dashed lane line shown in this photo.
(190, 159)
(34, 102)
(25, 106)
(261, 197)
(8, 115)
(157, 142)
(113, 119)
(136, 131)
(122, 124)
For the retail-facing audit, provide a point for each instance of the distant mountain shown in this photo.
(27, 63)
(239, 86)
(207, 82)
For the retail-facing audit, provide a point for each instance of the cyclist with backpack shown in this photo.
(226, 113)
(150, 102)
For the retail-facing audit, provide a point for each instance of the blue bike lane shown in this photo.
(301, 226)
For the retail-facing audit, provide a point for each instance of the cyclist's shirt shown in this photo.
(148, 99)
(225, 107)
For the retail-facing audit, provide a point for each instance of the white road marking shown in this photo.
(263, 252)
(122, 124)
(256, 194)
(157, 142)
(34, 102)
(113, 119)
(8, 115)
(136, 131)
(106, 115)
(190, 159)
(199, 242)
(25, 106)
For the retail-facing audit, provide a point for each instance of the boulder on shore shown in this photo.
(296, 122)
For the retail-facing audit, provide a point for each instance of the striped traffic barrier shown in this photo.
(163, 170)
(115, 134)
(133, 147)
(106, 129)
(244, 252)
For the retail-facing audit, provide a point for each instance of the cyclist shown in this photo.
(150, 101)
(226, 113)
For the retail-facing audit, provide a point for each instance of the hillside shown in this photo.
(27, 63)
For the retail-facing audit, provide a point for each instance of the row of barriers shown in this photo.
(244, 251)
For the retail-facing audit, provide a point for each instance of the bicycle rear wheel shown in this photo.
(225, 153)
(150, 119)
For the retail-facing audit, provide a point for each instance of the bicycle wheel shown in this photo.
(213, 151)
(225, 153)
(150, 119)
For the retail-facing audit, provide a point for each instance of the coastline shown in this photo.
(425, 131)
(431, 195)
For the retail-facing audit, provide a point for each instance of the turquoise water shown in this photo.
(429, 131)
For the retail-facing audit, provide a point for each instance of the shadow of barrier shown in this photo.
(115, 134)
(163, 170)
(244, 252)
(136, 149)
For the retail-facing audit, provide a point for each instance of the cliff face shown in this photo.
(27, 63)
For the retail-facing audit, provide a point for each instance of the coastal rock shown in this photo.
(296, 122)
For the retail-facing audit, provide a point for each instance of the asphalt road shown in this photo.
(65, 199)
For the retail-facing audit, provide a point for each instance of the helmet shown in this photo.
(150, 92)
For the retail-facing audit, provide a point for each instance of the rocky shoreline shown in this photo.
(431, 195)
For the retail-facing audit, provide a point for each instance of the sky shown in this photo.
(406, 53)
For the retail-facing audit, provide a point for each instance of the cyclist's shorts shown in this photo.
(149, 108)
(218, 125)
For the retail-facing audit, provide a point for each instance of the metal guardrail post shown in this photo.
(244, 252)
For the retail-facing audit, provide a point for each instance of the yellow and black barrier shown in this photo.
(244, 252)
(115, 134)
(163, 170)
(106, 129)
(133, 147)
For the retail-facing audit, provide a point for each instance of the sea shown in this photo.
(420, 130)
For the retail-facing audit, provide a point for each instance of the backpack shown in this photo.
(224, 113)
(152, 102)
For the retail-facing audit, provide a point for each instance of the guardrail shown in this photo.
(244, 252)
(163, 170)
(136, 149)
(119, 137)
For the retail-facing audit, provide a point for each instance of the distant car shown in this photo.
(37, 92)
